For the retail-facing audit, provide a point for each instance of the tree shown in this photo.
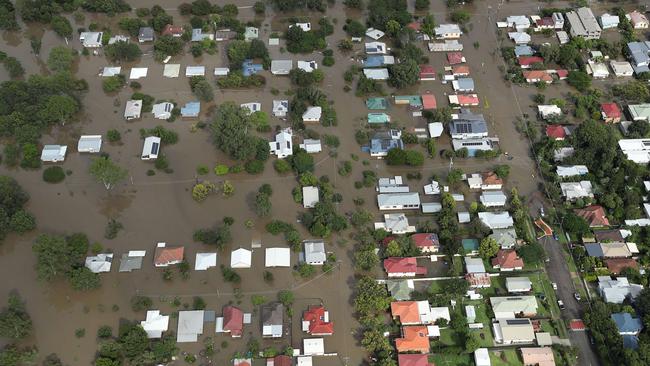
(393, 27)
(230, 128)
(113, 83)
(8, 16)
(365, 259)
(168, 46)
(502, 171)
(579, 80)
(354, 4)
(123, 51)
(14, 68)
(61, 26)
(60, 59)
(404, 74)
(15, 323)
(22, 222)
(83, 279)
(302, 162)
(201, 88)
(428, 25)
(455, 175)
(421, 4)
(262, 204)
(488, 248)
(107, 172)
(354, 28)
(460, 16)
(371, 297)
(139, 303)
(396, 156)
(59, 109)
(286, 297)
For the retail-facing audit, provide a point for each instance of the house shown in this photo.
(482, 357)
(463, 85)
(464, 100)
(540, 356)
(470, 247)
(316, 322)
(315, 252)
(597, 70)
(191, 110)
(637, 150)
(547, 111)
(205, 261)
(376, 74)
(221, 71)
(413, 312)
(162, 110)
(277, 257)
(496, 220)
(455, 58)
(415, 339)
(89, 144)
(240, 258)
(283, 145)
(194, 71)
(574, 190)
(507, 260)
(626, 324)
(639, 56)
(413, 360)
(99, 263)
(526, 62)
(616, 291)
(426, 242)
(118, 38)
(171, 70)
(524, 50)
(400, 289)
(506, 238)
(474, 265)
(403, 267)
(609, 21)
(109, 71)
(306, 27)
(429, 102)
(251, 33)
(374, 33)
(199, 36)
(242, 362)
(493, 199)
(473, 146)
(566, 171)
(272, 320)
(508, 307)
(518, 22)
(562, 153)
(608, 250)
(513, 331)
(556, 132)
(490, 180)
(133, 109)
(414, 101)
(145, 34)
(537, 76)
(233, 321)
(582, 23)
(190, 325)
(280, 108)
(309, 196)
(150, 148)
(433, 188)
(224, 35)
(313, 347)
(377, 103)
(396, 224)
(131, 260)
(639, 112)
(427, 73)
(165, 256)
(279, 360)
(468, 126)
(375, 48)
(638, 20)
(281, 67)
(478, 280)
(519, 37)
(594, 214)
(621, 68)
(155, 323)
(172, 30)
(307, 66)
(543, 23)
(616, 265)
(378, 118)
(312, 114)
(447, 31)
(562, 37)
(91, 39)
(252, 107)
(463, 217)
(249, 68)
(311, 146)
(518, 284)
(398, 201)
(382, 142)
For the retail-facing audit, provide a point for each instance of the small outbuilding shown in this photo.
(89, 144)
(53, 153)
(309, 196)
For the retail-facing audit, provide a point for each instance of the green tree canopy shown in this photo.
(108, 173)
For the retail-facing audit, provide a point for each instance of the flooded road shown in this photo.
(160, 208)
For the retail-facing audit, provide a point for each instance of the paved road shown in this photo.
(558, 272)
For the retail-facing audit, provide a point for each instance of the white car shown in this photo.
(560, 303)
(554, 285)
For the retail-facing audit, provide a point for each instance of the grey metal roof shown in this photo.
(468, 127)
(397, 199)
(315, 251)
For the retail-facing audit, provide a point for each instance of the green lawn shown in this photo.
(447, 337)
(484, 336)
(505, 357)
(452, 360)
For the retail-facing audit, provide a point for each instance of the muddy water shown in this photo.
(160, 208)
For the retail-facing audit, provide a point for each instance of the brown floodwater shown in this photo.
(160, 208)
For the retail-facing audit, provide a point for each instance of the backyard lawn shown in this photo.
(451, 359)
(505, 357)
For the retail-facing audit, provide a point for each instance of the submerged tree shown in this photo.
(107, 172)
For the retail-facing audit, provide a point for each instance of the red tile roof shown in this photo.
(562, 74)
(529, 60)
(171, 30)
(546, 21)
(429, 101)
(413, 360)
(166, 255)
(616, 265)
(460, 70)
(282, 360)
(427, 71)
(540, 75)
(414, 25)
(455, 58)
(233, 320)
(315, 315)
(555, 132)
(508, 259)
(424, 240)
(594, 214)
(403, 265)
(478, 279)
(577, 324)
(467, 99)
(406, 311)
(611, 110)
(415, 338)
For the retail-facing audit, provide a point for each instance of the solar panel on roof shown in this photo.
(154, 148)
(517, 321)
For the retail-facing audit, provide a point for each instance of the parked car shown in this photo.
(554, 285)
(560, 303)
(541, 211)
(577, 296)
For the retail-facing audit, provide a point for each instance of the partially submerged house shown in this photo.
(205, 261)
(283, 144)
(496, 220)
(190, 325)
(281, 67)
(233, 321)
(89, 144)
(145, 34)
(191, 109)
(280, 108)
(403, 267)
(316, 321)
(241, 258)
(155, 324)
(396, 224)
(133, 109)
(398, 201)
(150, 148)
(312, 114)
(132, 260)
(162, 110)
(309, 196)
(91, 39)
(426, 242)
(277, 257)
(99, 263)
(272, 316)
(53, 153)
(165, 256)
(375, 48)
(315, 254)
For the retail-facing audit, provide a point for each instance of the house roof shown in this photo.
(541, 356)
(463, 84)
(506, 238)
(427, 71)
(171, 70)
(378, 118)
(594, 214)
(190, 325)
(608, 250)
(478, 279)
(89, 143)
(518, 284)
(424, 240)
(312, 113)
(626, 323)
(616, 265)
(529, 60)
(429, 101)
(414, 338)
(541, 75)
(280, 360)
(233, 320)
(318, 320)
(507, 258)
(491, 178)
(400, 289)
(455, 58)
(315, 251)
(272, 319)
(99, 263)
(240, 258)
(406, 311)
(277, 257)
(496, 220)
(191, 109)
(376, 103)
(164, 254)
(155, 324)
(172, 30)
(403, 265)
(611, 110)
(460, 70)
(524, 50)
(555, 131)
(281, 66)
(204, 261)
(474, 265)
(514, 304)
(611, 235)
(413, 360)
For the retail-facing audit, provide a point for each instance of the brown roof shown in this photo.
(281, 360)
(542, 356)
(414, 339)
(491, 178)
(507, 258)
(407, 311)
(166, 255)
(604, 236)
(478, 279)
(616, 265)
(171, 30)
(594, 214)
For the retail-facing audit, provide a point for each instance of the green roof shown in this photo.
(376, 103)
(470, 244)
(399, 289)
(413, 100)
(378, 118)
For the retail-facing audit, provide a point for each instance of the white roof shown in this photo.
(447, 29)
(277, 257)
(155, 324)
(89, 143)
(546, 110)
(99, 263)
(439, 312)
(496, 220)
(190, 325)
(162, 110)
(493, 198)
(283, 145)
(306, 27)
(313, 346)
(637, 150)
(133, 109)
(311, 146)
(433, 188)
(171, 70)
(474, 265)
(482, 357)
(398, 199)
(376, 74)
(395, 223)
(111, 70)
(315, 251)
(281, 67)
(274, 41)
(374, 33)
(621, 67)
(221, 71)
(309, 196)
(571, 170)
(118, 38)
(304, 361)
(195, 71)
(519, 37)
(464, 217)
(204, 261)
(252, 106)
(280, 106)
(91, 39)
(312, 114)
(240, 258)
(151, 147)
(518, 284)
(307, 66)
(573, 190)
(436, 129)
(138, 73)
(53, 153)
(597, 69)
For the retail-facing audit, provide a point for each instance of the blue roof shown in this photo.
(626, 323)
(382, 145)
(191, 109)
(524, 50)
(374, 61)
(594, 250)
(249, 68)
(630, 341)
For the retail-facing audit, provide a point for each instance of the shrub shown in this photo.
(281, 166)
(113, 136)
(139, 303)
(254, 166)
(202, 170)
(53, 174)
(104, 331)
(221, 169)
